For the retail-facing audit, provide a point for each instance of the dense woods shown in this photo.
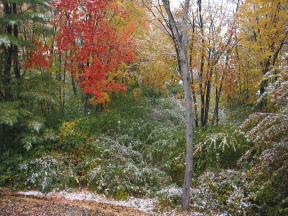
(180, 104)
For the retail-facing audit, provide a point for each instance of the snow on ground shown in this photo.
(144, 205)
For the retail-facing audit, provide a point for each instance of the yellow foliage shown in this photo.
(105, 99)
(137, 92)
(264, 25)
(131, 81)
(157, 68)
(67, 129)
(262, 30)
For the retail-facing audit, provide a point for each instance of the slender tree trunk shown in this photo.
(7, 73)
(216, 107)
(73, 83)
(202, 63)
(192, 77)
(194, 101)
(207, 102)
(189, 133)
(179, 32)
(15, 47)
(8, 53)
(218, 92)
(207, 90)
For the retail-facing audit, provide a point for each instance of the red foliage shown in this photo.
(95, 48)
(39, 57)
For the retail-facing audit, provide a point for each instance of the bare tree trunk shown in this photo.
(201, 87)
(207, 102)
(73, 83)
(180, 34)
(192, 76)
(218, 91)
(189, 133)
(196, 120)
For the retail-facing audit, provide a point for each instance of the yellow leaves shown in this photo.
(67, 129)
(157, 76)
(262, 30)
(131, 81)
(116, 75)
(132, 18)
(158, 64)
(137, 93)
(103, 100)
(263, 25)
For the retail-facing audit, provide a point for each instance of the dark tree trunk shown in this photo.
(8, 53)
(202, 62)
(207, 102)
(15, 47)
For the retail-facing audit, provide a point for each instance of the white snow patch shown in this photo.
(144, 205)
(31, 193)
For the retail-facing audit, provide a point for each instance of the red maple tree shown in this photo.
(96, 48)
(88, 35)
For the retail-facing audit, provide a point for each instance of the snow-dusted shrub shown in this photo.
(48, 173)
(119, 170)
(169, 109)
(169, 196)
(122, 180)
(220, 149)
(119, 151)
(265, 130)
(267, 179)
(217, 192)
(275, 96)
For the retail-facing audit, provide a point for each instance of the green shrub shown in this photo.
(122, 180)
(48, 173)
(267, 183)
(219, 147)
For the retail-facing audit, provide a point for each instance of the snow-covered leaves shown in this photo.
(275, 96)
(47, 172)
(265, 130)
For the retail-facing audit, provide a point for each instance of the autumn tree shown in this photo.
(156, 64)
(263, 35)
(97, 40)
(211, 42)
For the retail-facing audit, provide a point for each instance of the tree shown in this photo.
(156, 63)
(16, 16)
(211, 41)
(178, 31)
(27, 97)
(264, 33)
(97, 40)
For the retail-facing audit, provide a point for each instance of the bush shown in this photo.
(267, 176)
(122, 180)
(169, 196)
(219, 147)
(48, 173)
(223, 191)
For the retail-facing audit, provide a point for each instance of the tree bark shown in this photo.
(180, 35)
(8, 52)
(192, 76)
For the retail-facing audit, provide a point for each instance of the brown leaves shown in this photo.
(12, 204)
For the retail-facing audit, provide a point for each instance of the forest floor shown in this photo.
(12, 203)
(15, 204)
